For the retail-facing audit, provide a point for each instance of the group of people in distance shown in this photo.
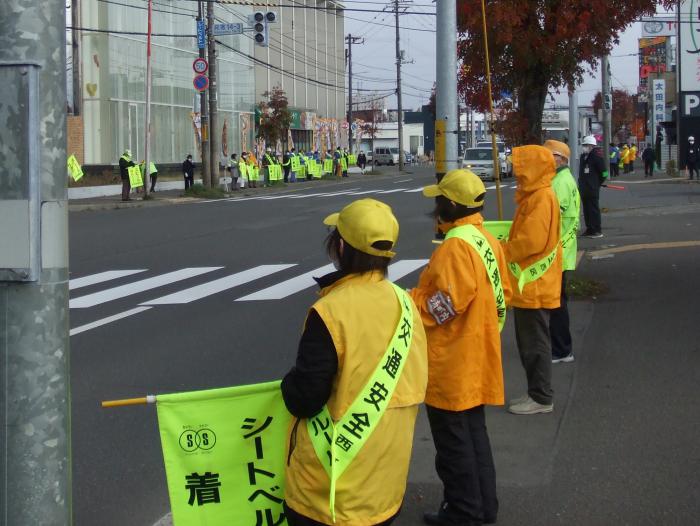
(370, 353)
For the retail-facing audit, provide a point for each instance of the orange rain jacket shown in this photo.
(535, 230)
(464, 351)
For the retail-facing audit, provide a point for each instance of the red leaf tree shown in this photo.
(622, 115)
(535, 47)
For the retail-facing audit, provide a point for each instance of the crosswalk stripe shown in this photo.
(365, 192)
(290, 286)
(108, 319)
(393, 190)
(100, 277)
(219, 285)
(122, 291)
(405, 267)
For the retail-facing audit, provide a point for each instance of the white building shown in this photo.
(387, 136)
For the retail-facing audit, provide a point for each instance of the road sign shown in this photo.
(201, 82)
(353, 127)
(201, 35)
(228, 29)
(200, 65)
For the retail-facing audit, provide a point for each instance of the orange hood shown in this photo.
(534, 168)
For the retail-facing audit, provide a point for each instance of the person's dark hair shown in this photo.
(352, 260)
(449, 212)
(189, 156)
(233, 156)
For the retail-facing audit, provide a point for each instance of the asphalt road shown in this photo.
(218, 292)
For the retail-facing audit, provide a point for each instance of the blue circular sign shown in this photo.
(201, 82)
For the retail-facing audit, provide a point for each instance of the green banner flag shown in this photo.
(224, 454)
(344, 164)
(352, 159)
(76, 172)
(328, 166)
(296, 164)
(498, 229)
(135, 176)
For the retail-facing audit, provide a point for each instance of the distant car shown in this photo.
(479, 161)
(368, 155)
(503, 156)
(408, 158)
(388, 156)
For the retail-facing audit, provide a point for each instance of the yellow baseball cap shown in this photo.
(461, 186)
(558, 147)
(364, 222)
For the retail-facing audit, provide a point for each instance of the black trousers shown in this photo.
(189, 181)
(286, 173)
(649, 168)
(154, 178)
(615, 169)
(126, 188)
(535, 348)
(693, 168)
(591, 213)
(464, 463)
(296, 519)
(559, 331)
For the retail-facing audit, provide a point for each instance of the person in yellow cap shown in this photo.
(533, 252)
(360, 374)
(566, 190)
(462, 296)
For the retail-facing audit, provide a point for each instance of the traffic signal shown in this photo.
(259, 21)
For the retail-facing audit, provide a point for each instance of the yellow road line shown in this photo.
(644, 246)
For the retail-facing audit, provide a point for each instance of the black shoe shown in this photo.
(432, 517)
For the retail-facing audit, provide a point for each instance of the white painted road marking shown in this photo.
(290, 286)
(101, 277)
(122, 291)
(405, 267)
(419, 189)
(109, 319)
(219, 285)
(392, 191)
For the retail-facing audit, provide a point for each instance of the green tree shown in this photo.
(275, 117)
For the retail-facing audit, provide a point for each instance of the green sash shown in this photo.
(534, 271)
(475, 239)
(337, 443)
(570, 234)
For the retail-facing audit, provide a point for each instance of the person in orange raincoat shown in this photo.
(460, 312)
(533, 252)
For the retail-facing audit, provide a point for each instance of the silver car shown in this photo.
(479, 161)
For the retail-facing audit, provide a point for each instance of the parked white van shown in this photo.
(388, 156)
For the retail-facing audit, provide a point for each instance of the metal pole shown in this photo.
(76, 37)
(398, 85)
(147, 145)
(494, 149)
(214, 138)
(204, 118)
(573, 132)
(35, 468)
(446, 93)
(349, 39)
(607, 132)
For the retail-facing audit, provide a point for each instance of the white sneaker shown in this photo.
(566, 359)
(519, 400)
(530, 407)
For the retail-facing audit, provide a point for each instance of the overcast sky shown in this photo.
(375, 59)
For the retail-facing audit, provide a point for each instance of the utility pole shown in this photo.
(398, 85)
(35, 468)
(573, 132)
(149, 83)
(607, 107)
(75, 57)
(351, 40)
(446, 97)
(204, 115)
(214, 138)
